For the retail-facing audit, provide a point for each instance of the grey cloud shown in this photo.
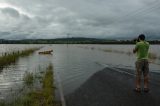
(86, 18)
(11, 12)
(5, 33)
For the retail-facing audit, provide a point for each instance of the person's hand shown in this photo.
(135, 50)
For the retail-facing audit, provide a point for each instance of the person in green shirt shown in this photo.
(142, 66)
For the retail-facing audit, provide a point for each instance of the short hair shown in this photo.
(141, 37)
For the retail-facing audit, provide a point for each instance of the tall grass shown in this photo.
(9, 58)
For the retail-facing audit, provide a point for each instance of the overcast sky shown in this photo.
(27, 19)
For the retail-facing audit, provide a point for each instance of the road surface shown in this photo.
(114, 87)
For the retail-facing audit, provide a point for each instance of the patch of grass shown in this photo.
(2, 103)
(28, 79)
(48, 88)
(33, 98)
(9, 58)
(27, 52)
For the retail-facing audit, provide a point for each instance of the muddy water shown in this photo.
(74, 64)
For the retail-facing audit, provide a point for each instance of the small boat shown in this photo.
(46, 52)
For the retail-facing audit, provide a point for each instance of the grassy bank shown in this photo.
(38, 97)
(9, 58)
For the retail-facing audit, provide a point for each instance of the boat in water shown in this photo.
(46, 52)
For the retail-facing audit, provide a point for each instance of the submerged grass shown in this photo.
(41, 97)
(28, 79)
(9, 58)
(48, 88)
(2, 103)
(152, 56)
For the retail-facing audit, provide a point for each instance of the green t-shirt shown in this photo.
(142, 50)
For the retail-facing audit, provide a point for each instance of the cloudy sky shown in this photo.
(27, 19)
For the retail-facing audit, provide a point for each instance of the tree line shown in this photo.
(72, 41)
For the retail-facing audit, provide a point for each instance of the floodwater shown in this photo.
(73, 65)
(8, 48)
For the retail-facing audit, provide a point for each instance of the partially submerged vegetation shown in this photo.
(48, 88)
(38, 97)
(9, 58)
(152, 56)
(28, 79)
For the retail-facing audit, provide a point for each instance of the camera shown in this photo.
(136, 40)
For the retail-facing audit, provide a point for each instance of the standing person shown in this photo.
(142, 65)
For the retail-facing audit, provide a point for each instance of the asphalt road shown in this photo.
(111, 87)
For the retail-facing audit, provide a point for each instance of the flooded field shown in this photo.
(73, 65)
